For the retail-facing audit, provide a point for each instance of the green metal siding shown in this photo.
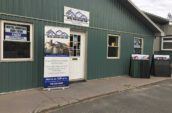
(107, 17)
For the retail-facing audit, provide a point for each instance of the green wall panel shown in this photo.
(106, 16)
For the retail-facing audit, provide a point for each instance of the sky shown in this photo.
(157, 7)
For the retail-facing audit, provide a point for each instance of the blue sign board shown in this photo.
(53, 82)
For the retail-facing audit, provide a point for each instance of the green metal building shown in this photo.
(109, 38)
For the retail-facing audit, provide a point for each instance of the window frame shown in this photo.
(142, 46)
(119, 46)
(2, 28)
(162, 43)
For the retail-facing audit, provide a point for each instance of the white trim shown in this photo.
(142, 46)
(1, 31)
(85, 33)
(2, 40)
(86, 55)
(119, 46)
(162, 43)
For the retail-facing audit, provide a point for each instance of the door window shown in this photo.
(75, 44)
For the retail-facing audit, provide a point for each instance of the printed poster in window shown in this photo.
(137, 43)
(56, 60)
(15, 32)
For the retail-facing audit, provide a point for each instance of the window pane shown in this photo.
(16, 50)
(167, 45)
(113, 41)
(79, 38)
(75, 38)
(78, 53)
(112, 52)
(78, 46)
(71, 37)
(71, 44)
(16, 32)
(71, 52)
(167, 39)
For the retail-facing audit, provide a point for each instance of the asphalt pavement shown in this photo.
(155, 98)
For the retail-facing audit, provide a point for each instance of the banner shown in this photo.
(56, 59)
(76, 17)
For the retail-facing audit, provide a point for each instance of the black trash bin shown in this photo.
(161, 66)
(139, 66)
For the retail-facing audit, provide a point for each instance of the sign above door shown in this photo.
(76, 17)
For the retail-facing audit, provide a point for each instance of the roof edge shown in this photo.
(156, 16)
(147, 18)
(157, 19)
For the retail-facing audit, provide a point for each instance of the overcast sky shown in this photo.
(158, 7)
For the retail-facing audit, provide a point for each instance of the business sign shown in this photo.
(56, 59)
(162, 57)
(15, 32)
(76, 17)
(140, 57)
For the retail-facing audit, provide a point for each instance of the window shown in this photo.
(166, 43)
(75, 44)
(138, 45)
(16, 41)
(113, 47)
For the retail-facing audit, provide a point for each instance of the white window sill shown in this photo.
(17, 60)
(113, 58)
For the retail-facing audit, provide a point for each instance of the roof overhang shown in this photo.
(157, 19)
(143, 17)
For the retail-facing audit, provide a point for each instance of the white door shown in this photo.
(77, 56)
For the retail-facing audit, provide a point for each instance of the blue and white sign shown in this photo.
(76, 17)
(15, 32)
(56, 59)
(53, 82)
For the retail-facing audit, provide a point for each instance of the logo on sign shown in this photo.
(58, 34)
(76, 16)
